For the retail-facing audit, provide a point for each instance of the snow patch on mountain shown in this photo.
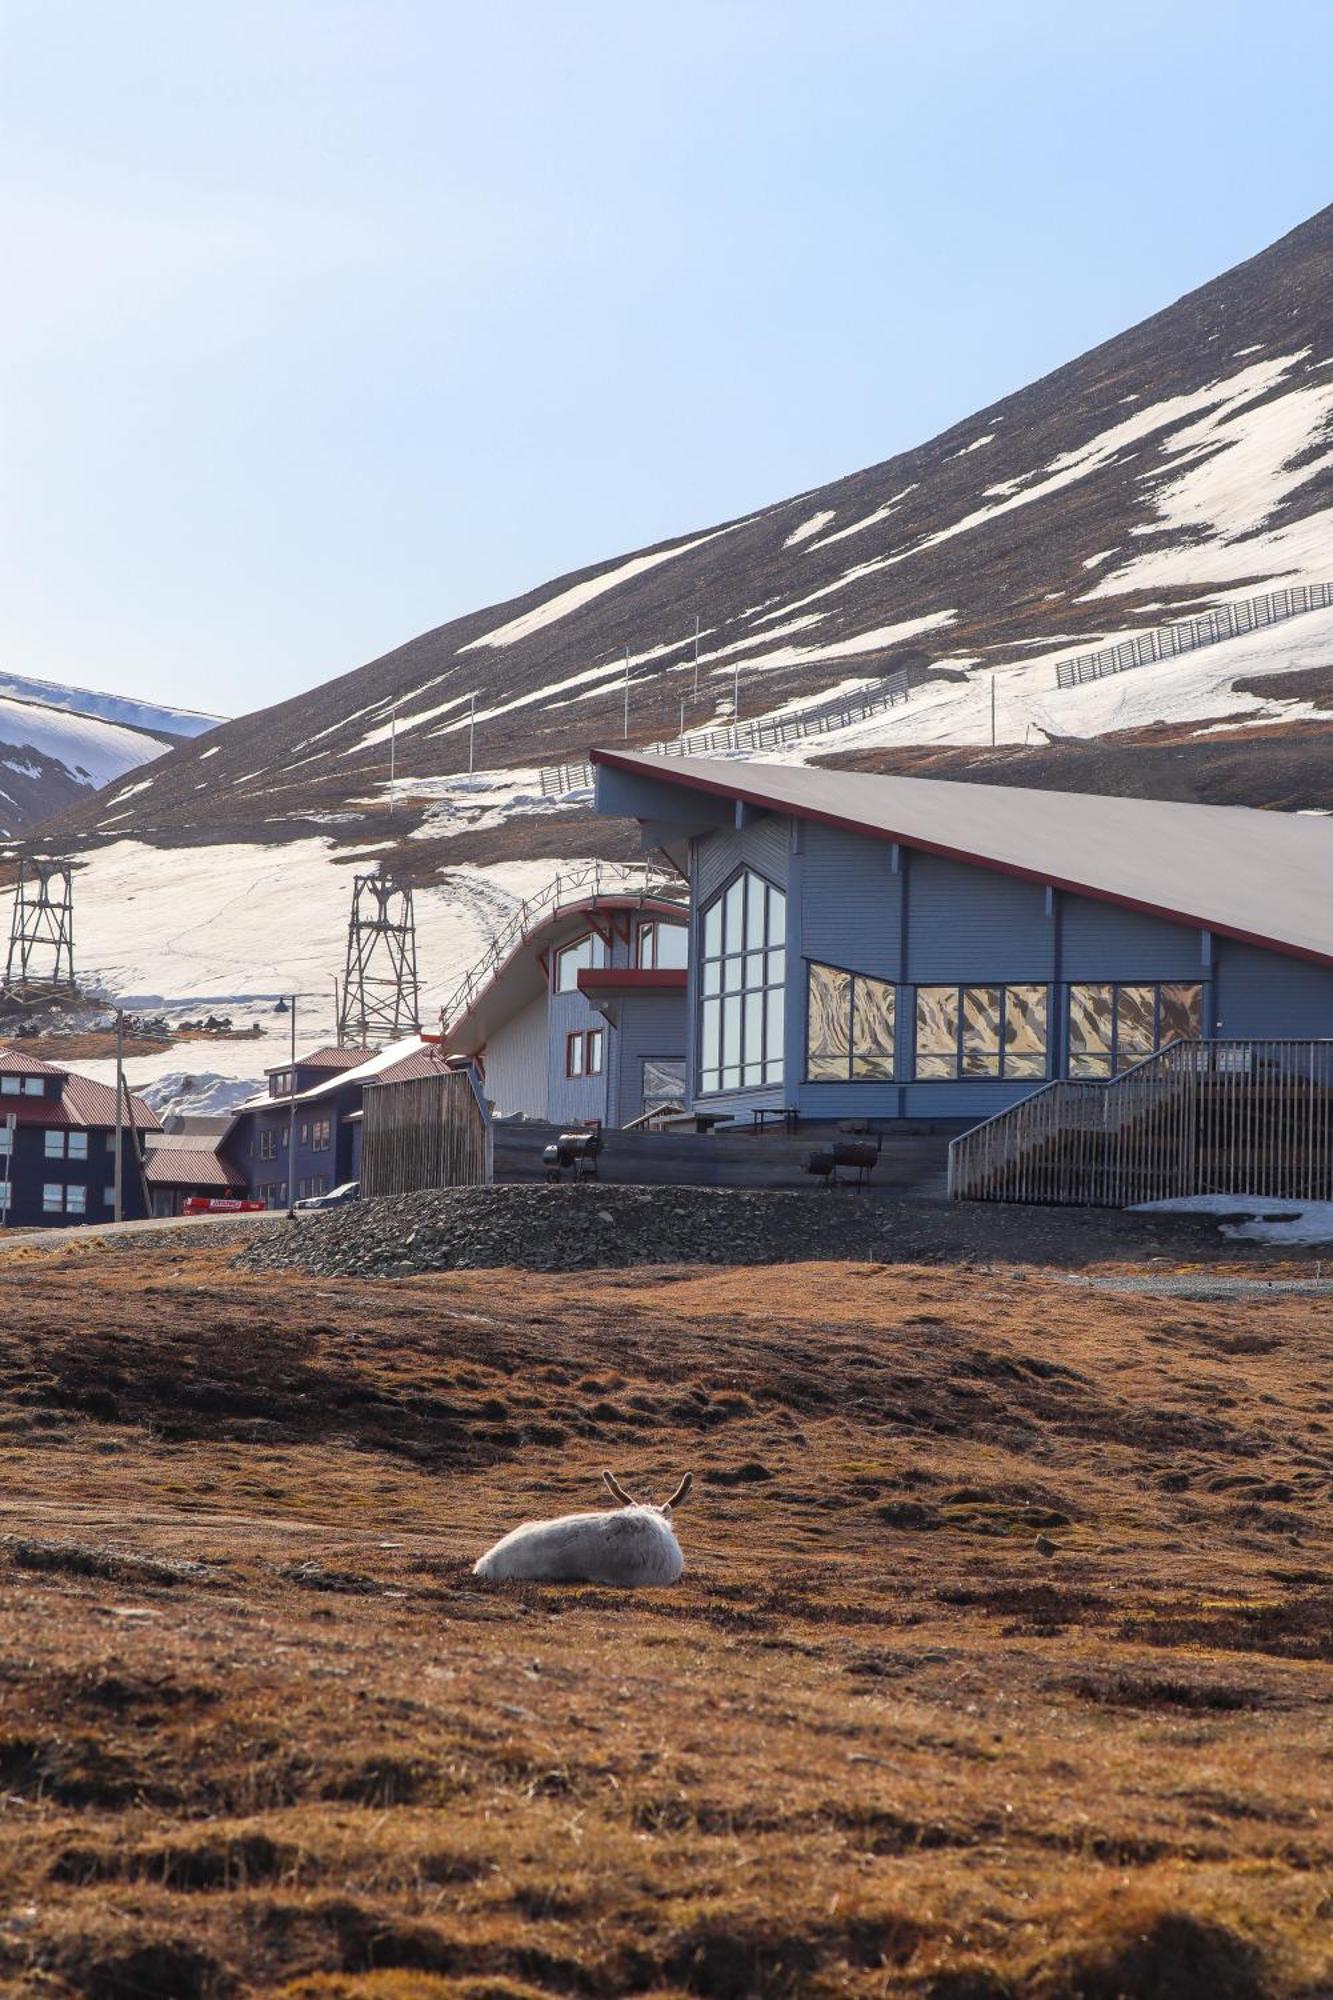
(123, 709)
(580, 594)
(92, 751)
(1029, 705)
(810, 527)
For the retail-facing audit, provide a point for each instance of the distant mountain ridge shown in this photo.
(58, 744)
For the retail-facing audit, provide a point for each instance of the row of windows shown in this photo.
(58, 1199)
(315, 1133)
(58, 1144)
(22, 1086)
(988, 1031)
(657, 945)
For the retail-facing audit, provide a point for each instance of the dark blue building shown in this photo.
(58, 1147)
(326, 1085)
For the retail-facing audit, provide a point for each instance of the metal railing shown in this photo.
(763, 733)
(1224, 1117)
(1167, 642)
(576, 885)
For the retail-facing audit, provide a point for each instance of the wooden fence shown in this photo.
(1219, 1117)
(1168, 642)
(430, 1131)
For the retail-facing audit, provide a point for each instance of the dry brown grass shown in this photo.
(261, 1732)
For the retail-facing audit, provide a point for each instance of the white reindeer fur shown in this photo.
(630, 1546)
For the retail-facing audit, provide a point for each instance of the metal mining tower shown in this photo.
(41, 932)
(379, 996)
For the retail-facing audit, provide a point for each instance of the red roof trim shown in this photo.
(633, 978)
(848, 822)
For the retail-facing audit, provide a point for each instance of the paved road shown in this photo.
(86, 1232)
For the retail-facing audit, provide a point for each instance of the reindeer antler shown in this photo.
(682, 1491)
(617, 1490)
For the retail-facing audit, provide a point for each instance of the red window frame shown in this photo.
(585, 1053)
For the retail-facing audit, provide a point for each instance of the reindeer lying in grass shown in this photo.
(633, 1545)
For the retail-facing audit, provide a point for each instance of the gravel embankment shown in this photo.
(570, 1229)
(606, 1227)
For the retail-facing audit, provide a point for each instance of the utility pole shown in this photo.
(736, 694)
(992, 709)
(291, 1125)
(472, 735)
(393, 754)
(627, 694)
(118, 1179)
(11, 1140)
(696, 656)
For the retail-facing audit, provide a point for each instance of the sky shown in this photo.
(330, 320)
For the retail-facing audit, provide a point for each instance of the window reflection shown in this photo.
(849, 1025)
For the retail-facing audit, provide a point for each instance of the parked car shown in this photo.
(335, 1198)
(204, 1204)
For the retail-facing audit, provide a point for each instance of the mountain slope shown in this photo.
(1186, 460)
(59, 743)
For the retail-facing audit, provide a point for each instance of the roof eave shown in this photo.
(848, 822)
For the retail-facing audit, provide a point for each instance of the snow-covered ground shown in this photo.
(235, 927)
(1259, 1218)
(1029, 705)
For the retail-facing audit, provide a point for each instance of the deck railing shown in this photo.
(572, 885)
(763, 733)
(1231, 1117)
(1167, 642)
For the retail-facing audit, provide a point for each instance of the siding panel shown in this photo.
(516, 1063)
(1261, 993)
(851, 909)
(973, 927)
(1100, 941)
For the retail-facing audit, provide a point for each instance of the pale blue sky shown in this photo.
(329, 320)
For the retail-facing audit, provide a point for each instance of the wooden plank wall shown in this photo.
(432, 1131)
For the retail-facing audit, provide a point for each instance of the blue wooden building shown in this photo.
(584, 1017)
(323, 1089)
(903, 948)
(58, 1146)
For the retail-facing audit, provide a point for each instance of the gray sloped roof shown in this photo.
(1264, 877)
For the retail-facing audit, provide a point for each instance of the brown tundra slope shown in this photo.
(1000, 1669)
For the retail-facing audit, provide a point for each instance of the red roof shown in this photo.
(80, 1104)
(187, 1166)
(90, 1103)
(329, 1058)
(422, 1062)
(14, 1063)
